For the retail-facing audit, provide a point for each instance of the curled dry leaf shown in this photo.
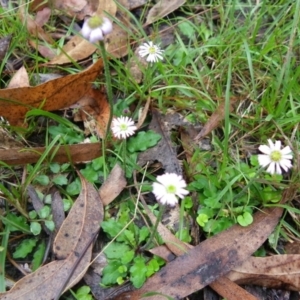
(20, 79)
(66, 153)
(215, 119)
(113, 185)
(277, 271)
(162, 8)
(73, 244)
(53, 95)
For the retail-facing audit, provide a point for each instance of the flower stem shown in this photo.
(108, 86)
(162, 209)
(110, 99)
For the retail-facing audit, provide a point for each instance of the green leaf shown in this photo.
(42, 179)
(38, 256)
(111, 273)
(60, 180)
(142, 141)
(138, 272)
(44, 212)
(187, 29)
(116, 250)
(112, 227)
(83, 293)
(202, 219)
(127, 257)
(152, 267)
(143, 234)
(35, 228)
(67, 204)
(50, 225)
(245, 219)
(90, 174)
(24, 248)
(55, 168)
(98, 163)
(74, 188)
(32, 214)
(16, 223)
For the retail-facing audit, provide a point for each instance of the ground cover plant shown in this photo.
(142, 141)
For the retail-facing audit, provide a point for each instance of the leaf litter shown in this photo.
(219, 259)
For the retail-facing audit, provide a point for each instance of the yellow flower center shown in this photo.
(171, 189)
(95, 22)
(276, 156)
(123, 127)
(152, 50)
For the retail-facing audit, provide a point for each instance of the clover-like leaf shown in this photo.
(142, 141)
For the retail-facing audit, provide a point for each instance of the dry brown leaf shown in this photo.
(94, 112)
(210, 259)
(45, 51)
(215, 119)
(52, 95)
(20, 79)
(32, 27)
(42, 16)
(78, 48)
(72, 242)
(162, 8)
(132, 4)
(67, 153)
(164, 151)
(117, 42)
(277, 271)
(222, 285)
(113, 185)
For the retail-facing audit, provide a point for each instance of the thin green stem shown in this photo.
(162, 209)
(108, 85)
(109, 96)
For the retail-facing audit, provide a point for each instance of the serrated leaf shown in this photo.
(16, 223)
(127, 257)
(116, 250)
(24, 248)
(112, 227)
(111, 273)
(142, 141)
(138, 272)
(38, 256)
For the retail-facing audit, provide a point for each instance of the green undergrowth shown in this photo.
(236, 55)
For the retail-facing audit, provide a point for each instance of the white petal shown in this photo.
(287, 150)
(86, 30)
(263, 160)
(277, 145)
(96, 35)
(107, 26)
(264, 149)
(272, 146)
(271, 168)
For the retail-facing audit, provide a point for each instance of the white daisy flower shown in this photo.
(123, 127)
(168, 187)
(153, 52)
(95, 28)
(275, 157)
